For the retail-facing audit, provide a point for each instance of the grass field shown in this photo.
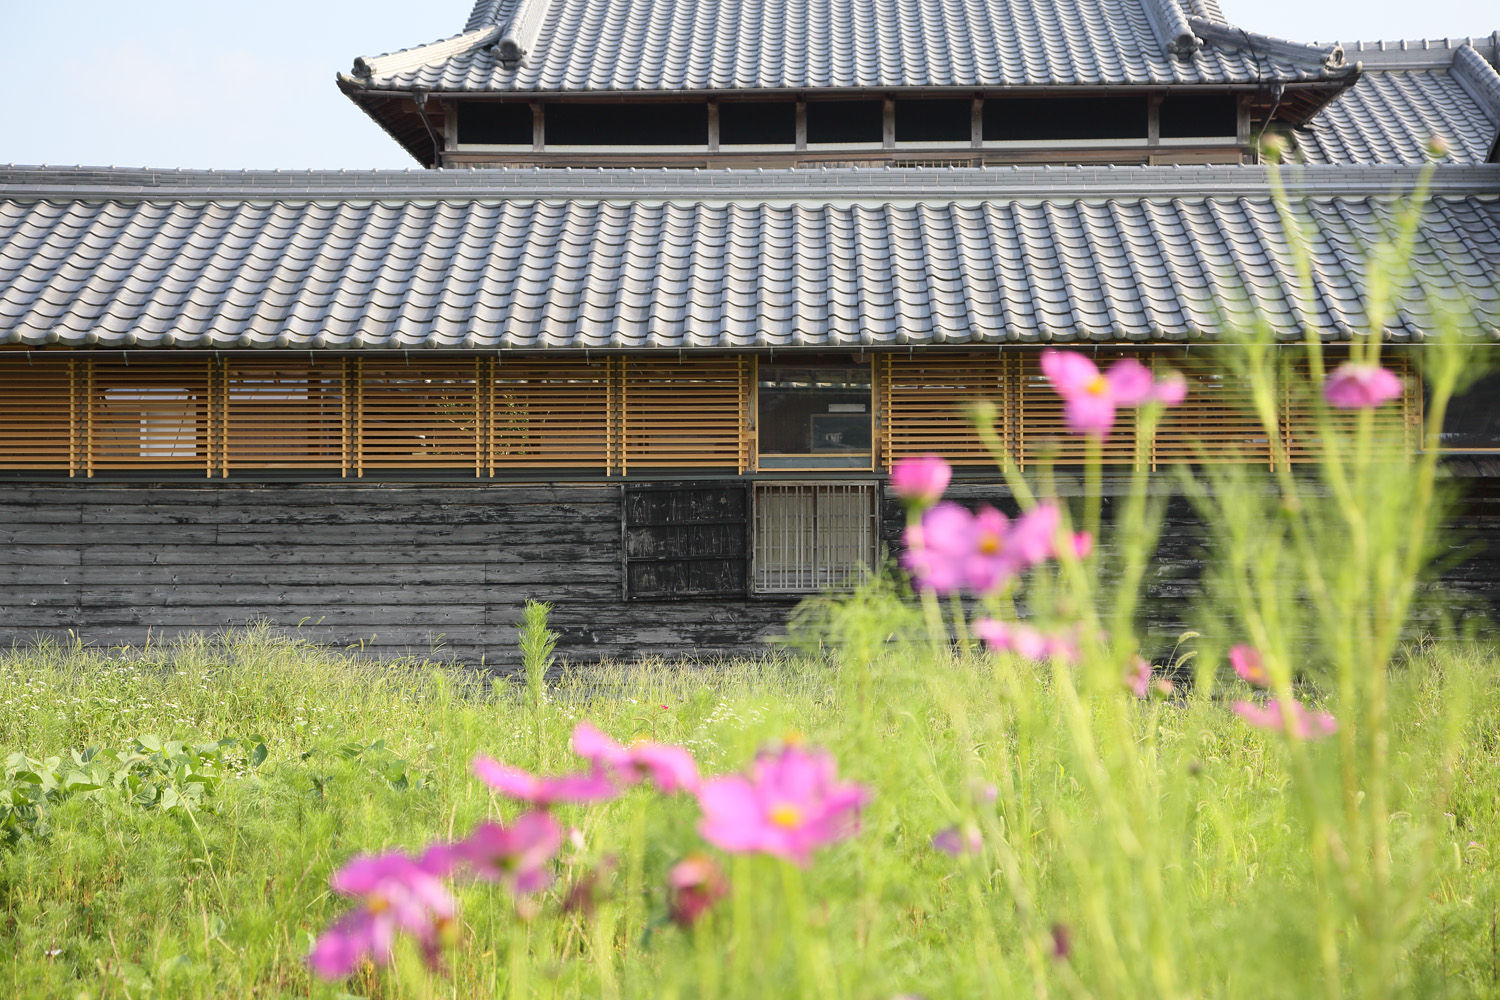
(1177, 861)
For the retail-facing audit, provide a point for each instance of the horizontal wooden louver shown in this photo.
(40, 424)
(284, 415)
(422, 415)
(149, 415)
(924, 402)
(550, 414)
(688, 414)
(1215, 424)
(1040, 427)
(1396, 425)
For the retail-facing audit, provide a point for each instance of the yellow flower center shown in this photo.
(786, 816)
(378, 904)
(1098, 387)
(990, 543)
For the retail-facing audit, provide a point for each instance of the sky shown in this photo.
(205, 83)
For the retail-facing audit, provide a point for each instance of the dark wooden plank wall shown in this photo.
(390, 569)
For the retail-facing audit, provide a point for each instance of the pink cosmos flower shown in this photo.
(515, 783)
(1307, 725)
(1248, 665)
(955, 842)
(516, 855)
(670, 768)
(398, 895)
(1090, 397)
(695, 885)
(1025, 641)
(920, 480)
(953, 549)
(1354, 386)
(789, 804)
(1143, 683)
(1080, 545)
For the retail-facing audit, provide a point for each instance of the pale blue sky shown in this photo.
(209, 84)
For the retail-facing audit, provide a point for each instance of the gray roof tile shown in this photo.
(677, 45)
(685, 260)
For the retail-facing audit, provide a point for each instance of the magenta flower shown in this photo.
(955, 841)
(953, 549)
(1354, 386)
(695, 885)
(920, 480)
(938, 549)
(523, 786)
(397, 895)
(791, 803)
(1079, 545)
(1143, 683)
(1025, 641)
(516, 855)
(1249, 666)
(670, 768)
(1307, 725)
(1090, 397)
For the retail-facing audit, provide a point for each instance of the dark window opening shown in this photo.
(1472, 422)
(747, 123)
(493, 123)
(686, 540)
(814, 417)
(1065, 118)
(1191, 116)
(934, 121)
(627, 124)
(845, 121)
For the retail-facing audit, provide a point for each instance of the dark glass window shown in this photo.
(845, 121)
(757, 123)
(494, 123)
(1065, 118)
(1472, 422)
(933, 121)
(814, 416)
(1187, 116)
(569, 124)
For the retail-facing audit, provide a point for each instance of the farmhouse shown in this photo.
(681, 281)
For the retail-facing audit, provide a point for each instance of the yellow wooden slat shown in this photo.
(1215, 424)
(284, 414)
(418, 415)
(1040, 429)
(924, 401)
(150, 414)
(687, 414)
(1396, 425)
(550, 414)
(36, 413)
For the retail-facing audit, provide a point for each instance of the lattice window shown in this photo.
(923, 405)
(40, 413)
(420, 416)
(149, 415)
(550, 414)
(285, 414)
(1396, 425)
(1216, 423)
(812, 536)
(688, 414)
(1040, 429)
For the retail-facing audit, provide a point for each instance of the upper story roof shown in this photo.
(611, 260)
(1408, 93)
(588, 46)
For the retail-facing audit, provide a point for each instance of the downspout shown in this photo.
(419, 98)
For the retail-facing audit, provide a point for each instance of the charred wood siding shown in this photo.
(391, 570)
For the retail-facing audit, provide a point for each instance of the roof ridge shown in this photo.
(1171, 27)
(1329, 57)
(420, 55)
(520, 34)
(1479, 78)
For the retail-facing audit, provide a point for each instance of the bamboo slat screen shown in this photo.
(1216, 423)
(148, 415)
(37, 413)
(357, 416)
(1397, 425)
(923, 403)
(689, 414)
(1040, 429)
(551, 414)
(287, 414)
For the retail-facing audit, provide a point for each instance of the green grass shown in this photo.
(1211, 893)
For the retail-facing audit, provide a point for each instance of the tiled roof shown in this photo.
(677, 45)
(708, 261)
(1405, 96)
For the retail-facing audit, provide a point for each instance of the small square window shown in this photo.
(814, 417)
(812, 536)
